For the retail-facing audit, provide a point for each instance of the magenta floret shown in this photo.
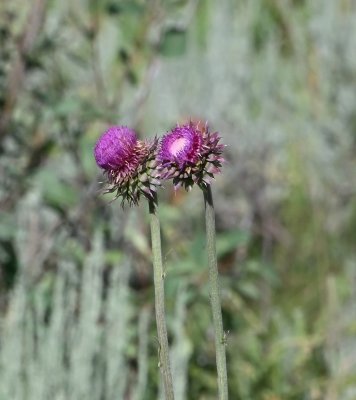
(181, 146)
(115, 147)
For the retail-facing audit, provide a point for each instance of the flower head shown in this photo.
(190, 154)
(128, 163)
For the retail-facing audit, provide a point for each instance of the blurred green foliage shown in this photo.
(278, 80)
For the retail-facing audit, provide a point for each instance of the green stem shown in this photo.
(220, 340)
(159, 301)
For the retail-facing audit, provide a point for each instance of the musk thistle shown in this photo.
(131, 169)
(190, 154)
(129, 164)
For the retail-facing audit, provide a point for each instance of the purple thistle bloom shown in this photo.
(190, 154)
(128, 163)
(115, 147)
(181, 146)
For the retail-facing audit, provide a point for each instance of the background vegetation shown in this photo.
(278, 80)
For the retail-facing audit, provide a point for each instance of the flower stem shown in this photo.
(159, 301)
(220, 340)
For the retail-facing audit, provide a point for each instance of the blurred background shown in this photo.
(277, 79)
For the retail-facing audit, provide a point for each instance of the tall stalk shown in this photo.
(159, 301)
(215, 294)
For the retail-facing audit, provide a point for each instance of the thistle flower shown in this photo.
(128, 163)
(190, 154)
(131, 169)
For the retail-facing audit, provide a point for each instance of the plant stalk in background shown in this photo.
(158, 274)
(220, 341)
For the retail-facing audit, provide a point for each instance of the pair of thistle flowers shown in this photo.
(188, 155)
